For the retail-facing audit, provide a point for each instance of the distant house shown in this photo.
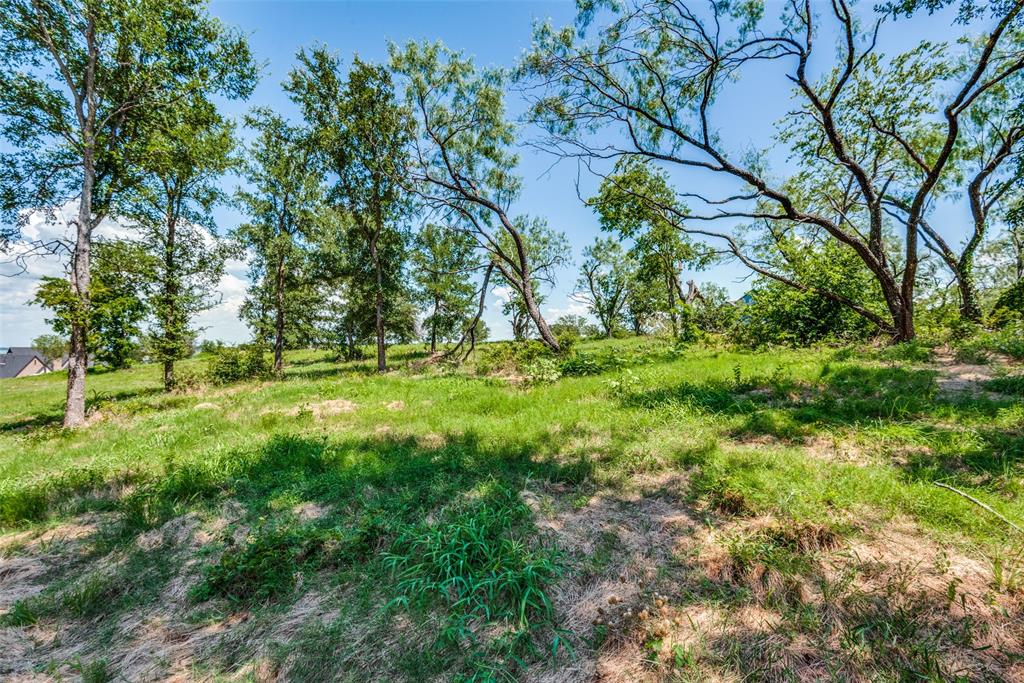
(22, 361)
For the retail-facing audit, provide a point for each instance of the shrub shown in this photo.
(543, 370)
(210, 346)
(265, 566)
(580, 363)
(1009, 306)
(186, 380)
(567, 340)
(1007, 340)
(1012, 385)
(912, 352)
(236, 363)
(509, 356)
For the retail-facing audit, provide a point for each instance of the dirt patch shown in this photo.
(309, 511)
(395, 405)
(206, 405)
(657, 590)
(335, 406)
(956, 377)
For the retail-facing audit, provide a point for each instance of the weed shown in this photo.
(1012, 385)
(262, 568)
(477, 561)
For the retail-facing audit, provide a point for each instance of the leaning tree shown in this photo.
(81, 83)
(461, 165)
(648, 86)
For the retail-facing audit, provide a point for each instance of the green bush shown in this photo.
(187, 380)
(913, 352)
(543, 370)
(1007, 340)
(1012, 385)
(1008, 307)
(264, 567)
(509, 356)
(236, 363)
(581, 363)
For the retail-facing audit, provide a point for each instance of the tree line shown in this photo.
(385, 211)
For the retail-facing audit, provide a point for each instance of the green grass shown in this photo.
(415, 477)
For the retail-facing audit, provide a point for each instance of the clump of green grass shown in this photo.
(1012, 385)
(479, 562)
(911, 352)
(264, 567)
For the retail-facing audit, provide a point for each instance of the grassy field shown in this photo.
(653, 514)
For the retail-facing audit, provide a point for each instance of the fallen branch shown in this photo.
(983, 506)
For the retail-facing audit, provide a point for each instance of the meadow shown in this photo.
(632, 510)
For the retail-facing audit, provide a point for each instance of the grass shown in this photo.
(395, 500)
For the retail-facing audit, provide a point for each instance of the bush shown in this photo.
(186, 380)
(544, 370)
(1007, 340)
(1008, 307)
(912, 352)
(264, 567)
(210, 346)
(567, 339)
(510, 356)
(1011, 385)
(236, 363)
(580, 363)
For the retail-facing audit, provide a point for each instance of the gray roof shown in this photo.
(15, 360)
(23, 350)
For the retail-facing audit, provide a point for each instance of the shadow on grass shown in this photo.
(853, 396)
(368, 494)
(54, 415)
(847, 395)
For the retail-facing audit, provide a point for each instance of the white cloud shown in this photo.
(571, 308)
(21, 322)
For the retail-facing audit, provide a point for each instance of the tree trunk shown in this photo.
(168, 375)
(970, 309)
(672, 304)
(433, 328)
(378, 312)
(78, 359)
(279, 318)
(470, 332)
(542, 326)
(170, 299)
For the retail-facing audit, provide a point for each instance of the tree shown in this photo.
(362, 133)
(284, 202)
(171, 210)
(120, 274)
(655, 75)
(461, 166)
(81, 82)
(624, 207)
(604, 283)
(546, 250)
(646, 301)
(574, 325)
(442, 264)
(714, 312)
(52, 346)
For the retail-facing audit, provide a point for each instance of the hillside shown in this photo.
(653, 514)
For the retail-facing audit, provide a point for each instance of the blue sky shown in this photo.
(494, 33)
